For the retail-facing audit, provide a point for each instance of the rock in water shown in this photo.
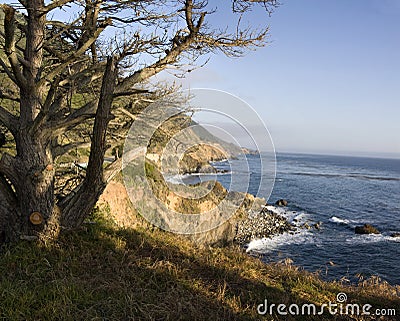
(397, 234)
(366, 229)
(281, 202)
(317, 226)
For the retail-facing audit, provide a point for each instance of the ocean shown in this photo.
(341, 192)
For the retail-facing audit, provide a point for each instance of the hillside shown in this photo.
(180, 134)
(104, 272)
(116, 265)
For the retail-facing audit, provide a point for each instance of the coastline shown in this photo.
(326, 237)
(310, 228)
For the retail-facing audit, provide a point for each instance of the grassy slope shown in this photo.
(107, 273)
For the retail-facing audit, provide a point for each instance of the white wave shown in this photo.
(266, 245)
(371, 238)
(179, 179)
(298, 216)
(176, 179)
(275, 209)
(345, 221)
(338, 220)
(219, 161)
(291, 216)
(211, 174)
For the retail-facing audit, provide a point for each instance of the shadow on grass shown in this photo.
(106, 273)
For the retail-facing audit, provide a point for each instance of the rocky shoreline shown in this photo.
(270, 222)
(260, 225)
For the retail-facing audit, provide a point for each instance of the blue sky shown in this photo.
(328, 82)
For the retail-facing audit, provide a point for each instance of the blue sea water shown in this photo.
(341, 192)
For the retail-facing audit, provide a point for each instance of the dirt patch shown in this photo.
(116, 198)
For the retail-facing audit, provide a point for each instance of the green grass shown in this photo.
(103, 272)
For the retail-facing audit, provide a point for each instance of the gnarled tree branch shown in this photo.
(77, 206)
(8, 119)
(77, 55)
(56, 4)
(56, 127)
(9, 44)
(171, 56)
(61, 150)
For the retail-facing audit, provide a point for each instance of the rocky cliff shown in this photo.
(184, 143)
(219, 211)
(206, 213)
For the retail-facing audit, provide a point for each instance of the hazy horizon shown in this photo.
(328, 81)
(343, 154)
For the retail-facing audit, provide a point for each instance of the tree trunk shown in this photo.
(35, 188)
(31, 171)
(80, 203)
(27, 195)
(28, 208)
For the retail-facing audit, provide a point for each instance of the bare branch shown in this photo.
(9, 44)
(131, 93)
(188, 14)
(86, 76)
(180, 44)
(76, 55)
(114, 168)
(44, 113)
(56, 4)
(57, 127)
(153, 69)
(23, 2)
(140, 19)
(234, 45)
(77, 206)
(244, 5)
(129, 114)
(8, 71)
(61, 150)
(8, 120)
(4, 95)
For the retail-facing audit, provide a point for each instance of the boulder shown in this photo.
(397, 234)
(317, 226)
(281, 202)
(366, 229)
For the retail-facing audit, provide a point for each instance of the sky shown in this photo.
(329, 80)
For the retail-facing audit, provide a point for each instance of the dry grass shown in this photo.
(107, 273)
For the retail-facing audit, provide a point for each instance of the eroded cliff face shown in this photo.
(181, 144)
(205, 213)
(198, 158)
(217, 212)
